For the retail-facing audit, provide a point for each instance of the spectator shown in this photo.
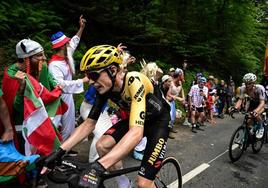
(197, 96)
(171, 71)
(30, 58)
(197, 77)
(210, 102)
(222, 94)
(6, 130)
(177, 94)
(165, 87)
(230, 92)
(211, 105)
(61, 66)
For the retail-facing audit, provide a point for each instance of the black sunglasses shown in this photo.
(94, 75)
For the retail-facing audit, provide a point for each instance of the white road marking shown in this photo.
(218, 156)
(173, 185)
(194, 172)
(190, 175)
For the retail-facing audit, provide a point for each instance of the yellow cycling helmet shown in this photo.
(99, 57)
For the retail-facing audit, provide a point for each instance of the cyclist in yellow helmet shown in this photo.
(149, 116)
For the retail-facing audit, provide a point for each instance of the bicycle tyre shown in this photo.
(169, 174)
(258, 142)
(238, 135)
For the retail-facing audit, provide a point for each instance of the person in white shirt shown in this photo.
(62, 68)
(197, 97)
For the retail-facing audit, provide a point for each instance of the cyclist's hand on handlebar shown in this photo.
(232, 110)
(254, 113)
(91, 177)
(53, 160)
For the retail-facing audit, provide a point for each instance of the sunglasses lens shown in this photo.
(93, 76)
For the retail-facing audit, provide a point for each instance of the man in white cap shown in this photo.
(62, 67)
(29, 54)
(31, 60)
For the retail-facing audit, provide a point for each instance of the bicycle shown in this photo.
(243, 137)
(169, 175)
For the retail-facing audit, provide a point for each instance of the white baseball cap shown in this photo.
(27, 48)
(165, 78)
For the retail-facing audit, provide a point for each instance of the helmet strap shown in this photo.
(112, 77)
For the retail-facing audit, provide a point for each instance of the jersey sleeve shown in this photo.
(261, 92)
(138, 101)
(97, 108)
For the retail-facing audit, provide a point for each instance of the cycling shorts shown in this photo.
(156, 132)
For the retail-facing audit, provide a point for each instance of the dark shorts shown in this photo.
(198, 109)
(156, 131)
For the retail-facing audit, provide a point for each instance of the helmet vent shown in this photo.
(97, 51)
(108, 51)
(101, 59)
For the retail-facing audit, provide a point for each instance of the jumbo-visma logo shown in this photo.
(158, 152)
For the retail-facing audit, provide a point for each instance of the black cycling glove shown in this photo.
(91, 177)
(54, 158)
(232, 110)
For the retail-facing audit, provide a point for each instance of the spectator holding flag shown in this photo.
(62, 67)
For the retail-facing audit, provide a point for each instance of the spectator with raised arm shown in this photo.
(62, 67)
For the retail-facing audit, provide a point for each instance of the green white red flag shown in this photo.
(39, 105)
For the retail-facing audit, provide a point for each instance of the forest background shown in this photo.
(217, 37)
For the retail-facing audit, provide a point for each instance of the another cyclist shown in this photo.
(149, 116)
(257, 99)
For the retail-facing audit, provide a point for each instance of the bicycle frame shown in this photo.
(117, 173)
(248, 138)
(70, 171)
(243, 139)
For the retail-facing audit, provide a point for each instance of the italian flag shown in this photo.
(41, 107)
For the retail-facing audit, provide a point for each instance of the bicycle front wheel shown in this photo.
(169, 175)
(237, 144)
(258, 142)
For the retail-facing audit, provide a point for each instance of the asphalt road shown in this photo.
(204, 159)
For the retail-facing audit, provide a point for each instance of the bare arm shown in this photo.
(4, 116)
(260, 107)
(238, 103)
(122, 148)
(82, 23)
(79, 134)
(169, 96)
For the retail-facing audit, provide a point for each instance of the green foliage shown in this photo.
(22, 19)
(221, 37)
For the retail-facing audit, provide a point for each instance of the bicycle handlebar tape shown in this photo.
(91, 177)
(54, 158)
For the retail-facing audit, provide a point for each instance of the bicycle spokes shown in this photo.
(169, 176)
(237, 144)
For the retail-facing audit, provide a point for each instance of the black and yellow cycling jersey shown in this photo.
(147, 108)
(136, 97)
